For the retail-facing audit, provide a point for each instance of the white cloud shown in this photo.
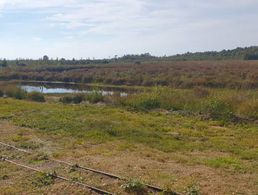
(34, 3)
(108, 27)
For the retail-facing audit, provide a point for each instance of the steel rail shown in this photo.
(98, 190)
(158, 189)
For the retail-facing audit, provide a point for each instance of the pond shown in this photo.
(64, 88)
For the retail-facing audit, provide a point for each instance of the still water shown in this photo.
(70, 88)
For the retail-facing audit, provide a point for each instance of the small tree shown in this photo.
(45, 58)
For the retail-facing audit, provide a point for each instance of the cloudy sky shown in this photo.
(103, 28)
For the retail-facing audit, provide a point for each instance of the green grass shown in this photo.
(100, 124)
(227, 163)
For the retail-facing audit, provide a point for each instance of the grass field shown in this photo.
(181, 152)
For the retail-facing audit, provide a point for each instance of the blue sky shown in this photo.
(104, 28)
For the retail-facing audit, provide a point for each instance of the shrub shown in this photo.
(78, 98)
(95, 97)
(1, 93)
(36, 96)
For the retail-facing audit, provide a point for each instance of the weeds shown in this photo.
(193, 190)
(134, 186)
(43, 179)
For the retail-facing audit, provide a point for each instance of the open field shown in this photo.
(157, 147)
(185, 126)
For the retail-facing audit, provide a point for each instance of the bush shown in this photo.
(95, 97)
(36, 96)
(15, 92)
(1, 93)
(76, 99)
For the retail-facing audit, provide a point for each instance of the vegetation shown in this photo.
(225, 69)
(43, 179)
(36, 96)
(193, 190)
(176, 74)
(223, 105)
(191, 122)
(134, 186)
(17, 93)
(111, 131)
(75, 99)
(94, 97)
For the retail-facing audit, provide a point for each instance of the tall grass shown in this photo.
(224, 105)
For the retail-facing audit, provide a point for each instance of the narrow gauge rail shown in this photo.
(155, 188)
(97, 190)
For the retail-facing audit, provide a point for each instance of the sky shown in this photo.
(105, 28)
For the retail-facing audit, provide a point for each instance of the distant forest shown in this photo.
(247, 53)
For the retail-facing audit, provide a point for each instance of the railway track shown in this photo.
(93, 188)
(152, 188)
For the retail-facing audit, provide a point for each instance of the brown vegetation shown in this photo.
(182, 74)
